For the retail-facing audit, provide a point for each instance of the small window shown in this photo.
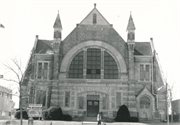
(67, 99)
(105, 103)
(131, 36)
(94, 18)
(40, 70)
(81, 102)
(118, 99)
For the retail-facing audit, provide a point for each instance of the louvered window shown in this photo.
(94, 18)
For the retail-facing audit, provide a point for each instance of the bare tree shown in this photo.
(16, 69)
(171, 92)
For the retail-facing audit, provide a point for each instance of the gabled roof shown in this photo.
(44, 47)
(57, 23)
(143, 48)
(136, 52)
(131, 25)
(144, 91)
(88, 20)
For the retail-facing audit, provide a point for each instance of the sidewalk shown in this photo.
(161, 123)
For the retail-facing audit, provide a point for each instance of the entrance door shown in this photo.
(145, 111)
(92, 108)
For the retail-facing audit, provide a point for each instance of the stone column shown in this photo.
(84, 63)
(102, 63)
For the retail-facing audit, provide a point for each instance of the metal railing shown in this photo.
(104, 119)
(82, 117)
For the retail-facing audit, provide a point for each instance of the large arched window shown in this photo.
(99, 64)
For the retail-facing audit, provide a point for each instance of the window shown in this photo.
(93, 63)
(118, 99)
(94, 18)
(81, 102)
(110, 67)
(41, 97)
(43, 70)
(144, 102)
(67, 99)
(76, 67)
(144, 72)
(131, 36)
(105, 103)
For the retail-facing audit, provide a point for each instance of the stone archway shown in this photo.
(93, 101)
(70, 54)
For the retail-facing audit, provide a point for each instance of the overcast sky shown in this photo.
(23, 20)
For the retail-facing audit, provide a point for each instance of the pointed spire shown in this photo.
(57, 23)
(130, 25)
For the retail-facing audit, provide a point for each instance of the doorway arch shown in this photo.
(145, 108)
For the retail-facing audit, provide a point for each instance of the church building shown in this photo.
(95, 70)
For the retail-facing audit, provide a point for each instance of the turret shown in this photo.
(130, 42)
(131, 30)
(57, 28)
(56, 45)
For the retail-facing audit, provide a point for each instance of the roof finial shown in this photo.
(94, 5)
(58, 11)
(130, 12)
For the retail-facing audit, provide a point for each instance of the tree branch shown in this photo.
(11, 80)
(10, 68)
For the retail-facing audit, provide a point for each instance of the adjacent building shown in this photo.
(6, 103)
(94, 69)
(176, 106)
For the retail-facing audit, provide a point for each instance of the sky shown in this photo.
(23, 20)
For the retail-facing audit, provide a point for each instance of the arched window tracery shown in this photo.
(99, 65)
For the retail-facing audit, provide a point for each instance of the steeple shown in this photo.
(131, 29)
(57, 27)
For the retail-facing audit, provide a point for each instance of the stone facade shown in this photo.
(126, 72)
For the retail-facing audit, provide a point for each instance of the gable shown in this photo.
(44, 46)
(143, 92)
(84, 33)
(100, 20)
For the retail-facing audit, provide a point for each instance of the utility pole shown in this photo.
(20, 102)
(167, 107)
(171, 105)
